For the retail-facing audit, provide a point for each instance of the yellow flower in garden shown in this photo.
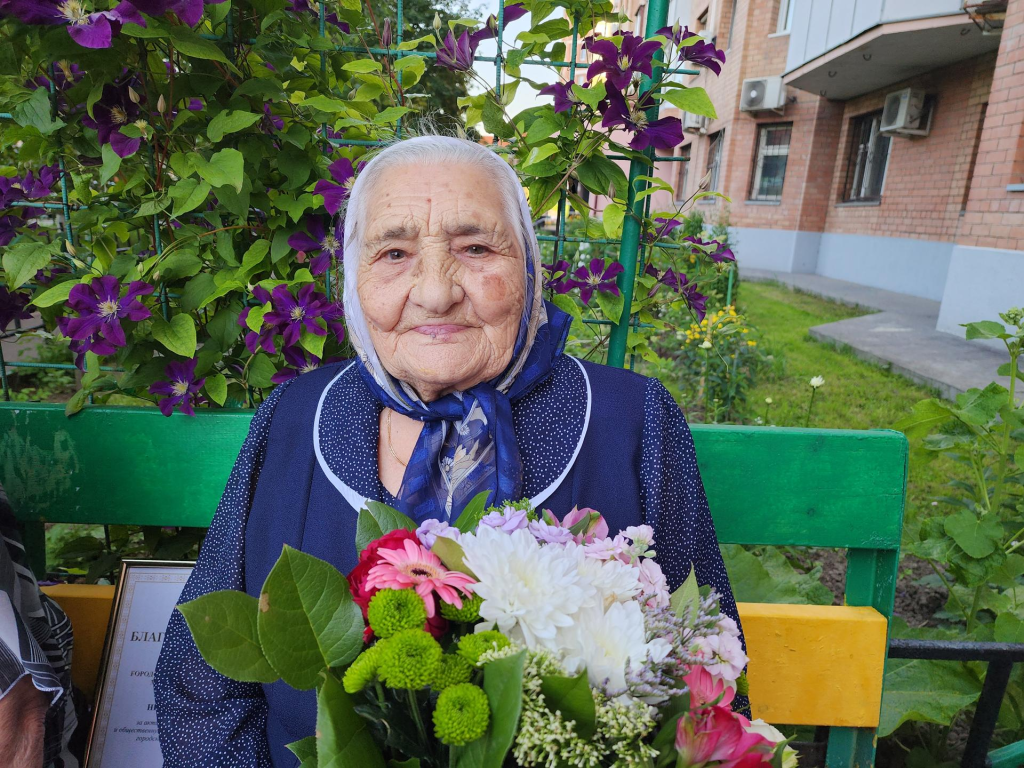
(746, 330)
(751, 343)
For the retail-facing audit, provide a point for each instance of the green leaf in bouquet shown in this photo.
(472, 513)
(307, 620)
(305, 750)
(343, 737)
(503, 684)
(452, 555)
(378, 519)
(573, 698)
(223, 625)
(687, 594)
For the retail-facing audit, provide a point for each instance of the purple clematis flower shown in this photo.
(335, 192)
(188, 11)
(663, 133)
(664, 228)
(101, 308)
(620, 64)
(12, 307)
(489, 30)
(264, 338)
(302, 6)
(181, 389)
(694, 298)
(558, 277)
(64, 75)
(31, 186)
(90, 30)
(293, 313)
(456, 55)
(717, 251)
(9, 227)
(301, 362)
(318, 243)
(699, 52)
(113, 111)
(597, 277)
(565, 99)
(269, 122)
(673, 280)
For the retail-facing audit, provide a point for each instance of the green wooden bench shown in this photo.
(810, 665)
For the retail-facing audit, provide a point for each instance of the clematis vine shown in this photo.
(319, 245)
(114, 110)
(699, 51)
(673, 280)
(300, 7)
(716, 251)
(618, 64)
(31, 186)
(457, 54)
(557, 277)
(336, 192)
(269, 122)
(562, 93)
(597, 277)
(264, 337)
(663, 133)
(12, 307)
(180, 390)
(188, 11)
(293, 313)
(89, 30)
(101, 308)
(664, 228)
(300, 362)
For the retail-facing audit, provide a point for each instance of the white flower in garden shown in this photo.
(609, 642)
(769, 400)
(706, 344)
(722, 656)
(528, 590)
(817, 381)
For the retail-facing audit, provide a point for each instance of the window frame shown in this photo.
(761, 151)
(785, 20)
(713, 165)
(683, 173)
(863, 170)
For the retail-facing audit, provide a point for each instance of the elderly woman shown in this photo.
(461, 386)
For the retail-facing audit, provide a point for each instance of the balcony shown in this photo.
(840, 49)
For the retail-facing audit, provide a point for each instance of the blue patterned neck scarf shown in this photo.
(468, 442)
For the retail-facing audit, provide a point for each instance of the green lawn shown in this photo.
(856, 394)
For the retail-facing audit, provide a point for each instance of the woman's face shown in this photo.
(441, 277)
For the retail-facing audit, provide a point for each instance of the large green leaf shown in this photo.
(22, 261)
(452, 555)
(188, 194)
(261, 371)
(224, 168)
(307, 620)
(924, 416)
(305, 750)
(190, 44)
(343, 738)
(230, 121)
(1009, 628)
(692, 100)
(37, 113)
(924, 690)
(977, 536)
(686, 594)
(768, 577)
(503, 684)
(223, 625)
(378, 519)
(58, 294)
(979, 406)
(178, 335)
(602, 176)
(573, 698)
(468, 519)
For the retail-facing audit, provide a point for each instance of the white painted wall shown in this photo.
(982, 283)
(916, 267)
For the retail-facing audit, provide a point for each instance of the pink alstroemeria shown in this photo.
(719, 735)
(595, 529)
(706, 689)
(414, 567)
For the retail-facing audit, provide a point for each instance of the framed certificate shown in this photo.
(124, 722)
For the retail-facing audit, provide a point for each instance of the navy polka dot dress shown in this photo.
(589, 436)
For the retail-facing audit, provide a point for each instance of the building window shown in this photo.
(714, 160)
(682, 173)
(770, 161)
(638, 29)
(732, 25)
(869, 156)
(786, 8)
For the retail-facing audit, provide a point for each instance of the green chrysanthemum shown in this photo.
(461, 714)
(469, 613)
(392, 610)
(452, 670)
(471, 646)
(409, 659)
(363, 670)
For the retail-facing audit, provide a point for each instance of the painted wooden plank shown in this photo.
(88, 607)
(815, 664)
(828, 488)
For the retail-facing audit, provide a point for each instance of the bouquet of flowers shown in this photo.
(508, 637)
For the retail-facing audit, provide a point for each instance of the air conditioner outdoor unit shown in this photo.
(904, 113)
(762, 93)
(694, 123)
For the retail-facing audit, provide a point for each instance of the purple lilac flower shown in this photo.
(300, 361)
(597, 277)
(620, 64)
(507, 520)
(12, 307)
(562, 92)
(101, 308)
(335, 192)
(89, 30)
(699, 52)
(549, 534)
(663, 133)
(430, 529)
(319, 244)
(114, 110)
(557, 278)
(292, 313)
(181, 389)
(269, 122)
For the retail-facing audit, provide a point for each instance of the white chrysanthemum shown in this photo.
(614, 580)
(607, 643)
(528, 590)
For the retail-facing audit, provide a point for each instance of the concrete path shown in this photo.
(900, 335)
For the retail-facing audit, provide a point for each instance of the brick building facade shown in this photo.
(815, 185)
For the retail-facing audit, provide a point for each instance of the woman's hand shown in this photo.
(22, 725)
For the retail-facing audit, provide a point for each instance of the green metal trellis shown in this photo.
(631, 248)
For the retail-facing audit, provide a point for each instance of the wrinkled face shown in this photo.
(441, 277)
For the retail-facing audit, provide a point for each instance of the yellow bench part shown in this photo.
(815, 664)
(809, 664)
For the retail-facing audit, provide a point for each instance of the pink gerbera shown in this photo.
(416, 567)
